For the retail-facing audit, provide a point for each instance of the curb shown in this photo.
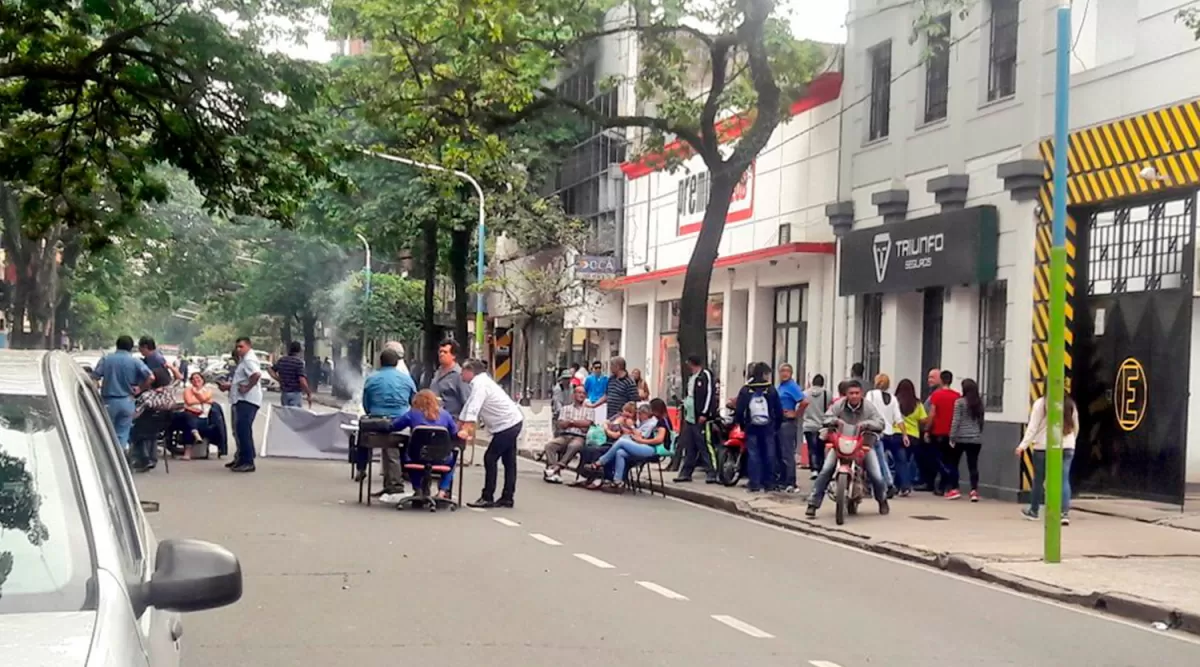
(1116, 604)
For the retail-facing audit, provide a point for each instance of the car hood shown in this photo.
(46, 639)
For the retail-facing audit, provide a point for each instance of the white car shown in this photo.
(83, 581)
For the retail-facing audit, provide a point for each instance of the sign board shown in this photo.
(692, 198)
(537, 430)
(951, 248)
(597, 267)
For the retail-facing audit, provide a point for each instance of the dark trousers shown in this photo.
(243, 430)
(929, 462)
(760, 447)
(591, 454)
(502, 448)
(786, 473)
(699, 448)
(816, 450)
(901, 461)
(950, 460)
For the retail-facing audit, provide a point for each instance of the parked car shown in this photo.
(89, 584)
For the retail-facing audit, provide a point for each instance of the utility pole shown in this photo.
(1055, 377)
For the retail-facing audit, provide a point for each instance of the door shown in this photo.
(931, 332)
(1133, 351)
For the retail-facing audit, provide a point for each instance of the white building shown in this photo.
(772, 289)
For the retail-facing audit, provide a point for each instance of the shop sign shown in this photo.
(952, 248)
(692, 198)
(597, 267)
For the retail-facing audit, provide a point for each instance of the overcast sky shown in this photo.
(821, 20)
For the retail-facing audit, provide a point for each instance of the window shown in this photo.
(993, 329)
(114, 477)
(872, 325)
(791, 328)
(881, 90)
(1140, 248)
(670, 384)
(1002, 58)
(937, 70)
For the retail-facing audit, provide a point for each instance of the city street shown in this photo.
(589, 579)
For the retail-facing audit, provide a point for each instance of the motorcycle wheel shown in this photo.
(843, 480)
(729, 467)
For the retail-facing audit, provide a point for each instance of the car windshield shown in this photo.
(45, 562)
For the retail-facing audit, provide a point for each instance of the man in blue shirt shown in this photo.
(791, 398)
(388, 392)
(153, 358)
(596, 386)
(119, 372)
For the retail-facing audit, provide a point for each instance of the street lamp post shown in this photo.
(481, 233)
(366, 292)
(1055, 377)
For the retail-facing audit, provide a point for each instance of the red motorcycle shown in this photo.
(733, 461)
(850, 485)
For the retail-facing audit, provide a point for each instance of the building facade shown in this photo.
(942, 215)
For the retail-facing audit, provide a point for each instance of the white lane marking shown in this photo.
(823, 663)
(595, 561)
(545, 540)
(505, 522)
(476, 509)
(742, 626)
(661, 590)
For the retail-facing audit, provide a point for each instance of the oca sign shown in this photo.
(596, 267)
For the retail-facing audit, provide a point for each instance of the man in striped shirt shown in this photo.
(621, 388)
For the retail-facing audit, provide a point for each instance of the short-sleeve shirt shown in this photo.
(388, 392)
(118, 373)
(155, 360)
(290, 369)
(790, 395)
(912, 421)
(246, 368)
(575, 413)
(943, 401)
(621, 390)
(596, 387)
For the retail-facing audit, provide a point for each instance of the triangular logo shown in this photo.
(882, 248)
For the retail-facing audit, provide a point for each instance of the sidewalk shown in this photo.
(1141, 570)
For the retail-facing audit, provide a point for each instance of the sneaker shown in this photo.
(791, 490)
(711, 479)
(891, 492)
(1066, 520)
(394, 498)
(556, 478)
(232, 464)
(810, 512)
(682, 479)
(884, 508)
(953, 494)
(360, 475)
(812, 476)
(974, 496)
(245, 467)
(752, 491)
(503, 503)
(1029, 514)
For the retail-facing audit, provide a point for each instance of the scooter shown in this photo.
(733, 462)
(850, 485)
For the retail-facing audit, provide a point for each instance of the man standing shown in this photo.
(699, 407)
(398, 347)
(153, 358)
(293, 380)
(941, 418)
(491, 405)
(570, 426)
(621, 388)
(578, 375)
(119, 372)
(447, 380)
(596, 386)
(245, 393)
(388, 392)
(792, 400)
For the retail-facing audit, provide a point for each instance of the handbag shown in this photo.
(596, 437)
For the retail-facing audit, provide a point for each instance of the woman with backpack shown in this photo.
(966, 436)
(814, 417)
(759, 412)
(912, 410)
(890, 440)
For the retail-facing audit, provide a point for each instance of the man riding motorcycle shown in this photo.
(852, 410)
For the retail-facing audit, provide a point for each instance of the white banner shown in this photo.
(302, 434)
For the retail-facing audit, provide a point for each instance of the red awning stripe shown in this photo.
(761, 254)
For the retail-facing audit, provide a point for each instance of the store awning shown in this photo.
(773, 252)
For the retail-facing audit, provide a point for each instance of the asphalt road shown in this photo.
(587, 579)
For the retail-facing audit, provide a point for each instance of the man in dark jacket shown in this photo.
(760, 414)
(852, 409)
(700, 407)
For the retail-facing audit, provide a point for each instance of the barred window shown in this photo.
(1002, 55)
(872, 325)
(791, 328)
(993, 333)
(881, 90)
(937, 70)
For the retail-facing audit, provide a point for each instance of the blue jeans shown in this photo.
(760, 447)
(444, 484)
(120, 411)
(291, 399)
(881, 454)
(1039, 478)
(816, 450)
(623, 450)
(787, 455)
(894, 444)
(821, 486)
(243, 430)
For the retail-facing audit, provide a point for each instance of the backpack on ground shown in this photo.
(760, 410)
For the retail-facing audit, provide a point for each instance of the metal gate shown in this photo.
(931, 333)
(1133, 352)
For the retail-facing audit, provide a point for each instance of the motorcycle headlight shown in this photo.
(847, 446)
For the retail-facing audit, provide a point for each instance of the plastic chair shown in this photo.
(429, 447)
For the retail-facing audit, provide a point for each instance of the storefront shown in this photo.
(670, 382)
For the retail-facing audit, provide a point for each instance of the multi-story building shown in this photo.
(943, 222)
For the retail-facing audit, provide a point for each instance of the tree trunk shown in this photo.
(460, 255)
(693, 303)
(429, 261)
(526, 328)
(312, 366)
(285, 329)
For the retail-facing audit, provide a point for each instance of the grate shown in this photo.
(928, 517)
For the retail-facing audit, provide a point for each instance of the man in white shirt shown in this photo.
(246, 395)
(491, 405)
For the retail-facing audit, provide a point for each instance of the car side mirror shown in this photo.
(191, 575)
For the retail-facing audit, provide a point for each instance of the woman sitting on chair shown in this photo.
(197, 403)
(637, 443)
(426, 412)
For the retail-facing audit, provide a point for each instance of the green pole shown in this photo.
(1056, 374)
